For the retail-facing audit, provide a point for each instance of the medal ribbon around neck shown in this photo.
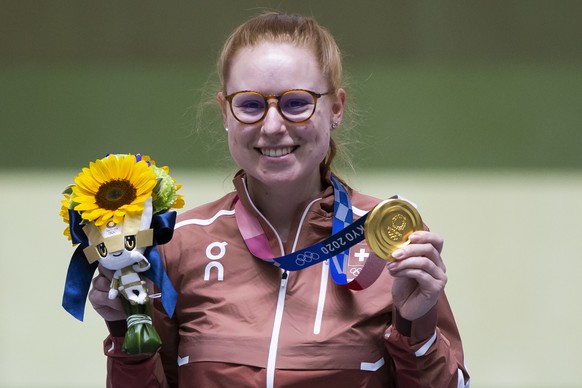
(345, 234)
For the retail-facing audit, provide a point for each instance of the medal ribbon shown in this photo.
(345, 234)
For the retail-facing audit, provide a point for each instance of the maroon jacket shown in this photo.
(241, 322)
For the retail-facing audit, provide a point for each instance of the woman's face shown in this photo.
(274, 151)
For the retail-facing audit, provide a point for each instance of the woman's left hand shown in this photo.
(419, 275)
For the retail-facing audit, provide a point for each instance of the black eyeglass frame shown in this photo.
(278, 98)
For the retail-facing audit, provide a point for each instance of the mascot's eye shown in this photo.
(102, 249)
(129, 242)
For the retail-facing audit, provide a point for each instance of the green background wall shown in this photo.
(481, 84)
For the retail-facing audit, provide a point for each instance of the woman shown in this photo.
(243, 322)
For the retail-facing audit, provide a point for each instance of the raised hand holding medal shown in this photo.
(395, 231)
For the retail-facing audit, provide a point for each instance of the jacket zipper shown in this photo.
(276, 329)
(272, 357)
(321, 300)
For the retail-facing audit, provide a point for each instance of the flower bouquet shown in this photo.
(117, 212)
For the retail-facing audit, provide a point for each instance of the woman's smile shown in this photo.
(276, 152)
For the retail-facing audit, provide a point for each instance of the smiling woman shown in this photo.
(281, 99)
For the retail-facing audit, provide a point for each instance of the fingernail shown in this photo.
(391, 266)
(398, 254)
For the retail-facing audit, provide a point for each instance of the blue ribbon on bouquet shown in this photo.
(80, 272)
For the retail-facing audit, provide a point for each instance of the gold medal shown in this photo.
(389, 225)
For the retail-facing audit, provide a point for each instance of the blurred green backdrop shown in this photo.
(480, 84)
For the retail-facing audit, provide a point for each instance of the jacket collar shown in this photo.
(317, 219)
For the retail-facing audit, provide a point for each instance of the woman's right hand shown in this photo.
(110, 310)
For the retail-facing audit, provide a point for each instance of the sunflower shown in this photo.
(113, 187)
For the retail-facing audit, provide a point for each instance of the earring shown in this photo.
(334, 125)
(226, 129)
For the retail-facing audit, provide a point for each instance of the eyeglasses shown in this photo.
(296, 105)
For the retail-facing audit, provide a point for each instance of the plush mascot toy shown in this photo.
(117, 212)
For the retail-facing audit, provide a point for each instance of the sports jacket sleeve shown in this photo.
(125, 370)
(427, 352)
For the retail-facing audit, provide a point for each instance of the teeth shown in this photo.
(276, 152)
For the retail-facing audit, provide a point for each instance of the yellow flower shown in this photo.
(65, 214)
(148, 159)
(179, 204)
(113, 187)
